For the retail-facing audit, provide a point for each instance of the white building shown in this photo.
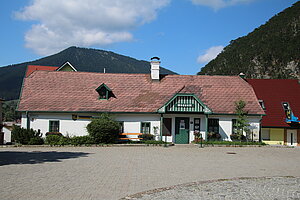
(173, 106)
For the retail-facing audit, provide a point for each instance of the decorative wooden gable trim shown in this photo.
(67, 67)
(188, 103)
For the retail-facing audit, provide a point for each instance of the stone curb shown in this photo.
(149, 192)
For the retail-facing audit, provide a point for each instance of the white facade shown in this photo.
(132, 124)
(7, 135)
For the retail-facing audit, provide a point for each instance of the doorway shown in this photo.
(292, 137)
(182, 130)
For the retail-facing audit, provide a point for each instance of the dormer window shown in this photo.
(262, 104)
(104, 91)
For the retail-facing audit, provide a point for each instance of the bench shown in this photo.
(129, 138)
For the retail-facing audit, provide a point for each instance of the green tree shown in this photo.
(104, 129)
(9, 111)
(242, 122)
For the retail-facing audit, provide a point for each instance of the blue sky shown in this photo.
(185, 34)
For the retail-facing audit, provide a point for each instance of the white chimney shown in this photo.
(155, 68)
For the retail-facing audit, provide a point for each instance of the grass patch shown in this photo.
(155, 142)
(232, 143)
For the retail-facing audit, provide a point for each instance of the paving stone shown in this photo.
(89, 173)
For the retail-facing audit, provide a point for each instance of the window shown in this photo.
(121, 130)
(286, 106)
(53, 126)
(167, 127)
(213, 125)
(262, 104)
(104, 91)
(265, 134)
(197, 122)
(145, 127)
(234, 127)
(287, 109)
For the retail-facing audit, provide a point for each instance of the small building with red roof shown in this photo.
(65, 67)
(280, 99)
(170, 107)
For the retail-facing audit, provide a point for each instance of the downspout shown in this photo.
(206, 124)
(27, 120)
(161, 125)
(259, 133)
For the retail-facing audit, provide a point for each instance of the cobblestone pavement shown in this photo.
(242, 188)
(115, 172)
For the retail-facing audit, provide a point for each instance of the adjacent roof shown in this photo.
(273, 92)
(32, 68)
(65, 65)
(76, 92)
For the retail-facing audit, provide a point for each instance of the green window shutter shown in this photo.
(234, 126)
(145, 127)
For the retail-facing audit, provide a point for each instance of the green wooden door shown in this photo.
(182, 130)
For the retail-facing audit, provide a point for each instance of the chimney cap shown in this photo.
(155, 58)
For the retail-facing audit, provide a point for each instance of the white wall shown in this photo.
(66, 124)
(132, 124)
(225, 125)
(7, 135)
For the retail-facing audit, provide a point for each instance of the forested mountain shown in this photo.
(83, 59)
(270, 51)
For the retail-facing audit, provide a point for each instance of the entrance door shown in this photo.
(182, 130)
(292, 137)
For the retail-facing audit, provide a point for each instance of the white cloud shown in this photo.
(218, 4)
(210, 54)
(61, 24)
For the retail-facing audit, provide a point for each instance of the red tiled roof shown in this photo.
(32, 68)
(273, 92)
(75, 91)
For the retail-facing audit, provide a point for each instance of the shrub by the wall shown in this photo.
(53, 140)
(25, 136)
(147, 137)
(104, 129)
(81, 140)
(64, 141)
(36, 141)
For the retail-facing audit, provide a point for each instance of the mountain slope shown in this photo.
(83, 59)
(270, 51)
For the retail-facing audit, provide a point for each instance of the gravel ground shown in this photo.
(116, 172)
(241, 188)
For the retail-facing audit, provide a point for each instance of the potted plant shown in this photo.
(197, 135)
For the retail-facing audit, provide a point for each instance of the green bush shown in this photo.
(211, 136)
(237, 137)
(104, 129)
(233, 143)
(64, 141)
(147, 137)
(80, 140)
(25, 136)
(53, 133)
(53, 140)
(36, 141)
